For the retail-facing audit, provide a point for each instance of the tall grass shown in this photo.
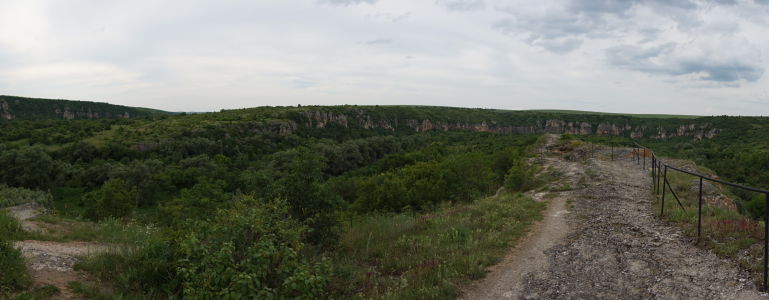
(110, 231)
(429, 256)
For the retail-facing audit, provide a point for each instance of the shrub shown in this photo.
(249, 251)
(113, 199)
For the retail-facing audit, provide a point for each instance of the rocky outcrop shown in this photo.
(697, 131)
(68, 114)
(6, 111)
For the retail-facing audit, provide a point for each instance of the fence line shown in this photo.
(659, 173)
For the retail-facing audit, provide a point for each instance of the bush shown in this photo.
(113, 199)
(249, 251)
(10, 196)
(520, 177)
(13, 276)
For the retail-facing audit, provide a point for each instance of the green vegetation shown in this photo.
(15, 196)
(13, 277)
(430, 255)
(258, 202)
(314, 202)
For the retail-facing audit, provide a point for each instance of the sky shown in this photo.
(633, 56)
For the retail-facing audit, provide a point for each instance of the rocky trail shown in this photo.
(602, 240)
(51, 262)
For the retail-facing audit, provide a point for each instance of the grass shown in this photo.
(89, 291)
(43, 292)
(724, 230)
(562, 188)
(110, 231)
(429, 256)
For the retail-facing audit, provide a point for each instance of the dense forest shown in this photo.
(268, 202)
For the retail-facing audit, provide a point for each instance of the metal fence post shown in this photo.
(654, 176)
(664, 181)
(659, 175)
(612, 151)
(644, 155)
(699, 214)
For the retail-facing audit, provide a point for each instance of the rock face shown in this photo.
(6, 111)
(697, 131)
(361, 119)
(68, 114)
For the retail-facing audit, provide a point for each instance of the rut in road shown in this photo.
(614, 247)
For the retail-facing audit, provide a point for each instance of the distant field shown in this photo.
(580, 112)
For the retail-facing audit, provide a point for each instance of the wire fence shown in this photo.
(661, 184)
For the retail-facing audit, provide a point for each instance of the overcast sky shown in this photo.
(636, 56)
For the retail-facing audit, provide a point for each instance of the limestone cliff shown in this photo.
(361, 119)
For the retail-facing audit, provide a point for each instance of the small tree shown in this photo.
(113, 199)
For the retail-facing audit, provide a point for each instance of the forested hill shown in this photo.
(22, 108)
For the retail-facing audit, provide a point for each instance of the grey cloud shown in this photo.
(555, 31)
(565, 29)
(562, 45)
(347, 2)
(395, 18)
(726, 2)
(600, 6)
(724, 72)
(462, 5)
(378, 41)
(672, 59)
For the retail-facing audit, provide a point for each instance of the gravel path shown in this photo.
(615, 248)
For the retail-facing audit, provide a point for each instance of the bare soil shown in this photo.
(607, 243)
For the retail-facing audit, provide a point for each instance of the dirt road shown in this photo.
(609, 245)
(50, 262)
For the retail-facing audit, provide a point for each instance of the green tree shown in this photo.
(29, 167)
(113, 199)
